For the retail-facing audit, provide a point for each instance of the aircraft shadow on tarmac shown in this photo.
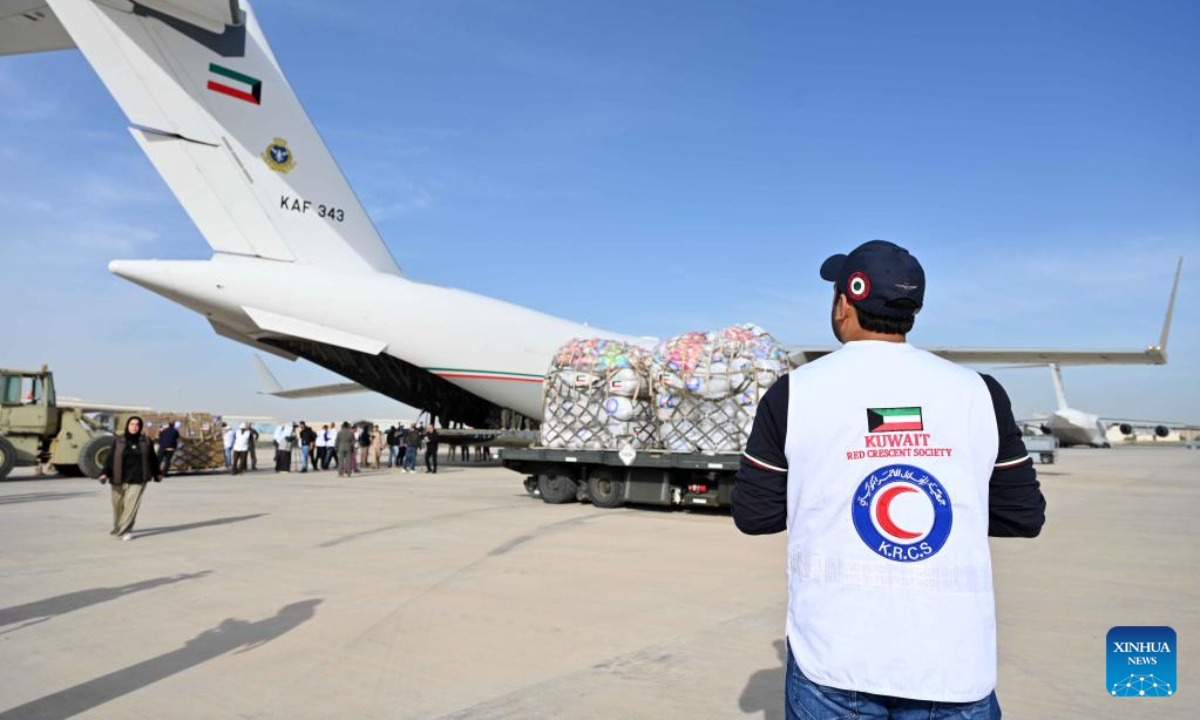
(193, 526)
(764, 689)
(42, 610)
(231, 635)
(39, 497)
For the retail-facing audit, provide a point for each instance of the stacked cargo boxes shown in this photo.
(201, 447)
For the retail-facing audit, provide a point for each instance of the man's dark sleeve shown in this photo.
(155, 470)
(760, 493)
(1016, 507)
(107, 471)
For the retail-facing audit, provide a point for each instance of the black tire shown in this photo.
(8, 457)
(557, 489)
(95, 453)
(69, 470)
(531, 487)
(1047, 459)
(605, 490)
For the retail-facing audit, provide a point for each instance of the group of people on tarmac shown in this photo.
(134, 461)
(348, 447)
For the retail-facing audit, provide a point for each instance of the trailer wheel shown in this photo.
(8, 457)
(1047, 459)
(557, 489)
(69, 470)
(531, 486)
(94, 454)
(605, 491)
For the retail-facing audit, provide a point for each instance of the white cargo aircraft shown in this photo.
(1072, 426)
(298, 269)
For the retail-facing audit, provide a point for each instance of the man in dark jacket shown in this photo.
(308, 444)
(412, 438)
(393, 442)
(431, 449)
(168, 443)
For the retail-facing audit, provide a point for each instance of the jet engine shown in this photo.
(1162, 430)
(1126, 428)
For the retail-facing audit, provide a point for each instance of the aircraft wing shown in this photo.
(268, 385)
(86, 406)
(1148, 424)
(1152, 355)
(30, 26)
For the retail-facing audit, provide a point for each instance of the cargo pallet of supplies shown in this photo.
(661, 425)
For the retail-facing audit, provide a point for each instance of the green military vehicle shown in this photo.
(35, 430)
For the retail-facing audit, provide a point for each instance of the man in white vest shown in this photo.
(889, 468)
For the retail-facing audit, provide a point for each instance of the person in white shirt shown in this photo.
(322, 448)
(227, 439)
(283, 447)
(889, 468)
(241, 448)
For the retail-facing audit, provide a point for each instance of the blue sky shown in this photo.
(662, 167)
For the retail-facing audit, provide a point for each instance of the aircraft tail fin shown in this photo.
(211, 108)
(1060, 394)
(1166, 328)
(267, 384)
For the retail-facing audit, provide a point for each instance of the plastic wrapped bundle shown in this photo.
(597, 397)
(708, 385)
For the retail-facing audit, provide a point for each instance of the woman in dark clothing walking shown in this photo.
(131, 464)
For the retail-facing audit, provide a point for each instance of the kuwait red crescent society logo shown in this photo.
(902, 513)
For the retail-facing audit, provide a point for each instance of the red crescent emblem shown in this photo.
(884, 517)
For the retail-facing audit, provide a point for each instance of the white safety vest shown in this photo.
(889, 453)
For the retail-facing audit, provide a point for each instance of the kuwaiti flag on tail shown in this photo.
(234, 84)
(894, 419)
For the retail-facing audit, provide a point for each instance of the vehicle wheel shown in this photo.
(557, 489)
(8, 457)
(531, 486)
(69, 470)
(95, 453)
(1047, 459)
(606, 491)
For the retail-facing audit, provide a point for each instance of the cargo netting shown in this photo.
(696, 392)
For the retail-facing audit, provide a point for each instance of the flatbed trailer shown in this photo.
(611, 478)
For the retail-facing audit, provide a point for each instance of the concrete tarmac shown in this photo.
(457, 596)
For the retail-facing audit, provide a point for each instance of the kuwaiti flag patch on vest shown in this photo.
(900, 419)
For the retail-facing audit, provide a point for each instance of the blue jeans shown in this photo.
(806, 700)
(393, 451)
(304, 459)
(410, 458)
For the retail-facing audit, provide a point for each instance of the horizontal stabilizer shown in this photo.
(268, 385)
(240, 336)
(284, 325)
(28, 26)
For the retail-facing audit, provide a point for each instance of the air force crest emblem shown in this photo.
(278, 156)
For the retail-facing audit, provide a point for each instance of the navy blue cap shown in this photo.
(880, 277)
